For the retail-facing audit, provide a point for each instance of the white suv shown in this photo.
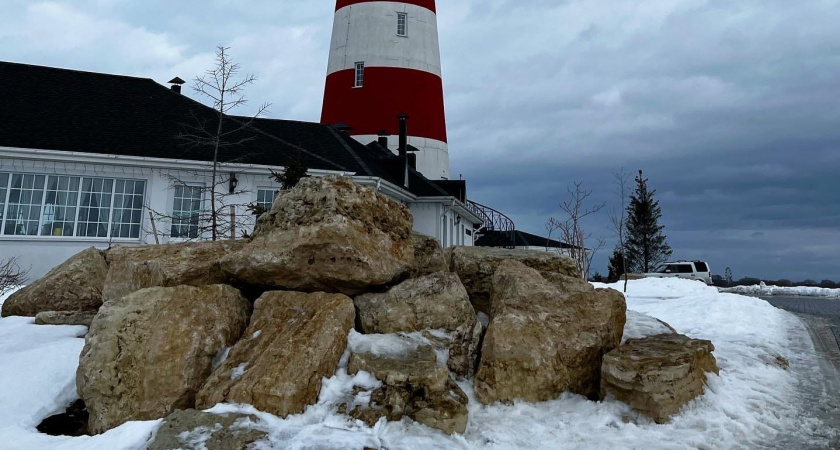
(690, 270)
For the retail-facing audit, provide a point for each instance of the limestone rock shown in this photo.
(75, 285)
(147, 354)
(197, 430)
(185, 264)
(659, 374)
(327, 234)
(465, 348)
(413, 385)
(428, 256)
(541, 341)
(437, 301)
(476, 267)
(293, 341)
(65, 318)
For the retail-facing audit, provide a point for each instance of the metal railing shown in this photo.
(495, 224)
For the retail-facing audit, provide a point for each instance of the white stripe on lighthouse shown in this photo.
(368, 32)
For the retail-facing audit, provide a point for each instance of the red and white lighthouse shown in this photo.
(384, 62)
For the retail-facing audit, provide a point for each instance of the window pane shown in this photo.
(24, 208)
(60, 206)
(186, 212)
(128, 208)
(4, 184)
(360, 74)
(95, 208)
(402, 22)
(265, 198)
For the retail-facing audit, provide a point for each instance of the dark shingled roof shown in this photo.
(68, 110)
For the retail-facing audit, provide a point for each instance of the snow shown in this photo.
(642, 325)
(803, 291)
(751, 404)
(37, 379)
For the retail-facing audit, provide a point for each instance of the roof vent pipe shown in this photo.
(383, 139)
(403, 150)
(176, 84)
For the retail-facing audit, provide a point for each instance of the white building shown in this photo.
(90, 159)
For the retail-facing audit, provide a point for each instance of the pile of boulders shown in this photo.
(261, 322)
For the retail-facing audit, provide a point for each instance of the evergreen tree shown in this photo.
(728, 276)
(616, 266)
(646, 246)
(294, 171)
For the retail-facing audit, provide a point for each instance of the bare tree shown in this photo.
(11, 275)
(225, 89)
(618, 218)
(571, 229)
(195, 223)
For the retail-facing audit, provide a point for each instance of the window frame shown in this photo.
(359, 78)
(202, 203)
(402, 21)
(43, 220)
(260, 189)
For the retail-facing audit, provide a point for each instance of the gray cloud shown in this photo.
(731, 108)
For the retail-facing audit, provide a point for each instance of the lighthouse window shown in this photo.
(402, 24)
(360, 74)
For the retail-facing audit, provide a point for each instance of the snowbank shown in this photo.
(764, 290)
(750, 404)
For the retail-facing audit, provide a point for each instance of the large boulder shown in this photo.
(413, 385)
(658, 375)
(436, 301)
(84, 318)
(428, 256)
(75, 285)
(476, 267)
(327, 234)
(184, 264)
(433, 302)
(542, 341)
(198, 430)
(147, 354)
(294, 340)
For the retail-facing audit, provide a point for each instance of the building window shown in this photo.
(128, 209)
(4, 189)
(95, 207)
(402, 24)
(265, 198)
(59, 218)
(360, 74)
(26, 194)
(186, 212)
(68, 206)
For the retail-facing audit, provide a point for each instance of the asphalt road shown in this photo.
(820, 389)
(828, 309)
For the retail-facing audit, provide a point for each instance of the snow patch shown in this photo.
(801, 291)
(385, 345)
(239, 371)
(220, 358)
(640, 326)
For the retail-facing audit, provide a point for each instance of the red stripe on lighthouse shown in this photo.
(387, 92)
(428, 4)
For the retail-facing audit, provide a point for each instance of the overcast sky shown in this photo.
(731, 107)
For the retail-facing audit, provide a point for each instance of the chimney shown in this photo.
(383, 139)
(412, 160)
(176, 84)
(403, 150)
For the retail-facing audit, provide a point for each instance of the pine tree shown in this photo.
(291, 175)
(616, 265)
(646, 246)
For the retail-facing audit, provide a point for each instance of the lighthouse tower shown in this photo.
(385, 62)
